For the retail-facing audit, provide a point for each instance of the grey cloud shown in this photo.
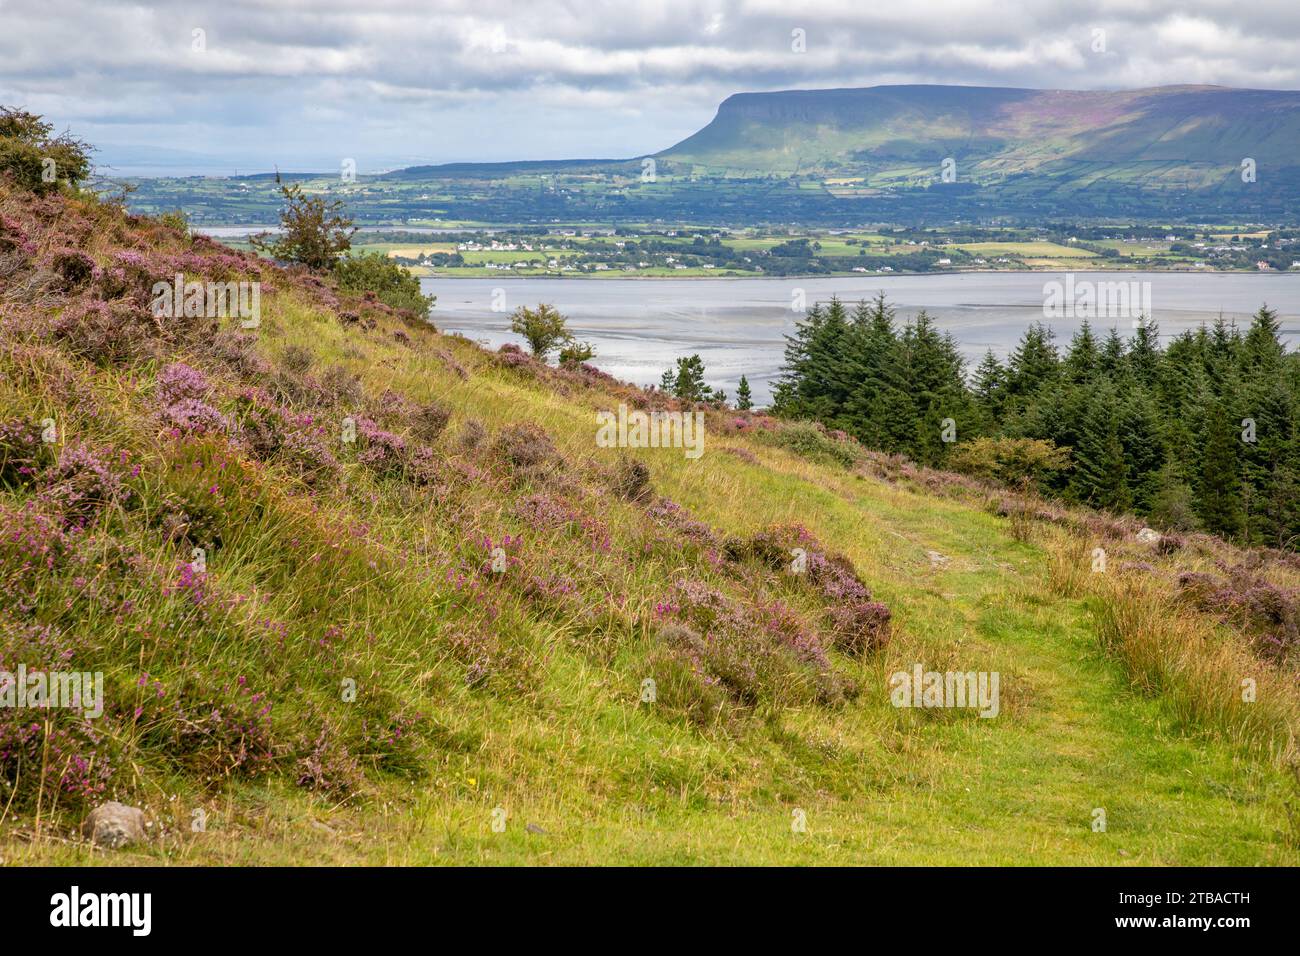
(493, 79)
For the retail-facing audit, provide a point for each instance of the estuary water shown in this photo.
(639, 326)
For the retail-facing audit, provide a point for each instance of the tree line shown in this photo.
(1198, 434)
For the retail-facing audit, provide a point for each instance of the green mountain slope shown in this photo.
(1153, 134)
(356, 675)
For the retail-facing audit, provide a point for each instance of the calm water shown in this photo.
(243, 232)
(639, 326)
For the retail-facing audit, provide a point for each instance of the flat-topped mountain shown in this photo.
(1184, 136)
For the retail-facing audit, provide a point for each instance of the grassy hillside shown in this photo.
(347, 679)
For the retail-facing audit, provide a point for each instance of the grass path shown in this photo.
(877, 786)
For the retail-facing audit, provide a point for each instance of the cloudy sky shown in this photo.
(214, 86)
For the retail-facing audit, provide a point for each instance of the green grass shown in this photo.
(1040, 249)
(557, 735)
(610, 782)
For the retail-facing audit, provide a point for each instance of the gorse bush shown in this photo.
(315, 230)
(810, 440)
(33, 159)
(1010, 460)
(374, 272)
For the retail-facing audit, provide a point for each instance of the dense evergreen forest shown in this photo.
(1196, 435)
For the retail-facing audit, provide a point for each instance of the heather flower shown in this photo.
(82, 484)
(215, 733)
(512, 356)
(191, 416)
(14, 237)
(329, 766)
(273, 433)
(61, 752)
(68, 758)
(1271, 614)
(131, 275)
(673, 516)
(117, 333)
(392, 408)
(548, 588)
(179, 381)
(183, 393)
(31, 545)
(23, 452)
(546, 512)
(861, 626)
(341, 386)
(382, 452)
(190, 584)
(472, 434)
(450, 362)
(525, 448)
(429, 419)
(74, 267)
(237, 351)
(632, 479)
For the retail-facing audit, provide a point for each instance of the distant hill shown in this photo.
(828, 157)
(1184, 136)
(497, 170)
(882, 150)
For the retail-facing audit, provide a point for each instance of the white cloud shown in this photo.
(408, 79)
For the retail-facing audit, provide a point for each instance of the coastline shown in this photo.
(852, 275)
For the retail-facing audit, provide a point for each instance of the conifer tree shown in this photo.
(1033, 362)
(1100, 471)
(1139, 435)
(1219, 498)
(879, 410)
(814, 383)
(1110, 361)
(1144, 353)
(1082, 359)
(687, 383)
(744, 400)
(988, 387)
(1262, 349)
